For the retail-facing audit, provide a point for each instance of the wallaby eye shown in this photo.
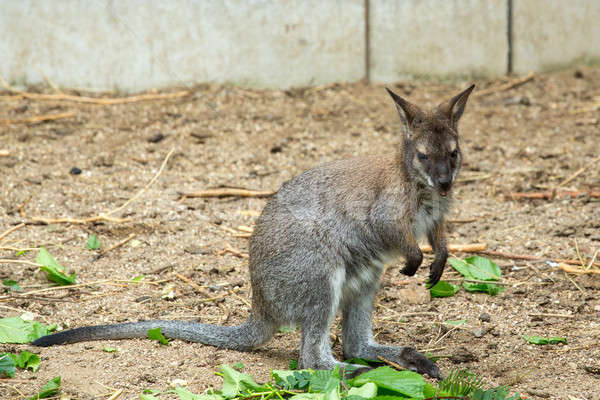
(421, 156)
(454, 153)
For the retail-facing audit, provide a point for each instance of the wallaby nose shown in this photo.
(444, 182)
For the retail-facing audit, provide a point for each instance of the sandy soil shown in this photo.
(525, 139)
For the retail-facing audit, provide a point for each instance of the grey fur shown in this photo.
(321, 242)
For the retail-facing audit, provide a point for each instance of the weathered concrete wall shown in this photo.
(554, 33)
(431, 37)
(141, 44)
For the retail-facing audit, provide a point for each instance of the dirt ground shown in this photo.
(525, 139)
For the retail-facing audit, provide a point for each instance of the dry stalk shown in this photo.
(228, 192)
(534, 258)
(551, 315)
(507, 86)
(579, 172)
(552, 194)
(38, 118)
(391, 363)
(114, 246)
(11, 230)
(459, 248)
(93, 100)
(4, 153)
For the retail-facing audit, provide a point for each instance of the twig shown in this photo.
(106, 216)
(49, 82)
(11, 230)
(579, 271)
(114, 246)
(552, 194)
(190, 282)
(229, 249)
(506, 86)
(4, 153)
(551, 315)
(461, 220)
(475, 177)
(54, 288)
(209, 299)
(464, 248)
(391, 363)
(229, 192)
(240, 298)
(531, 258)
(10, 261)
(94, 100)
(37, 118)
(579, 172)
(115, 395)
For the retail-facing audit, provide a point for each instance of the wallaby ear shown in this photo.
(454, 108)
(406, 110)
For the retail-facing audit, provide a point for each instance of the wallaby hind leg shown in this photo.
(357, 338)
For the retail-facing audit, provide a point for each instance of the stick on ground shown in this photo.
(459, 248)
(551, 194)
(93, 100)
(507, 86)
(229, 192)
(37, 118)
(114, 246)
(11, 230)
(532, 258)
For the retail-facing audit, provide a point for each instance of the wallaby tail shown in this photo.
(247, 336)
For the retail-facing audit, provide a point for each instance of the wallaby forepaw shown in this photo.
(413, 262)
(435, 274)
(417, 362)
(353, 373)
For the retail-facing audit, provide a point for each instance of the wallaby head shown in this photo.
(431, 153)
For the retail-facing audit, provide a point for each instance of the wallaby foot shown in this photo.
(407, 357)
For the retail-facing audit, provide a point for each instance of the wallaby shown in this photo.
(321, 242)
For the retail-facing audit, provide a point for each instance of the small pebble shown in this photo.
(578, 74)
(156, 138)
(485, 317)
(75, 171)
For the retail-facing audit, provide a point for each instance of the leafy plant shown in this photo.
(93, 243)
(17, 330)
(381, 383)
(481, 270)
(54, 271)
(460, 382)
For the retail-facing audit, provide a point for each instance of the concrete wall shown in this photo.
(140, 44)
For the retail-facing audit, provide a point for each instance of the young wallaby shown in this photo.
(322, 241)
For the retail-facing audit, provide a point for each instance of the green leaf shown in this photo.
(12, 285)
(93, 243)
(26, 360)
(156, 334)
(489, 288)
(545, 340)
(16, 330)
(366, 391)
(536, 339)
(239, 365)
(235, 382)
(185, 394)
(49, 389)
(456, 322)
(308, 396)
(55, 271)
(7, 365)
(138, 278)
(477, 268)
(148, 397)
(557, 340)
(406, 383)
(443, 289)
(484, 268)
(293, 364)
(109, 349)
